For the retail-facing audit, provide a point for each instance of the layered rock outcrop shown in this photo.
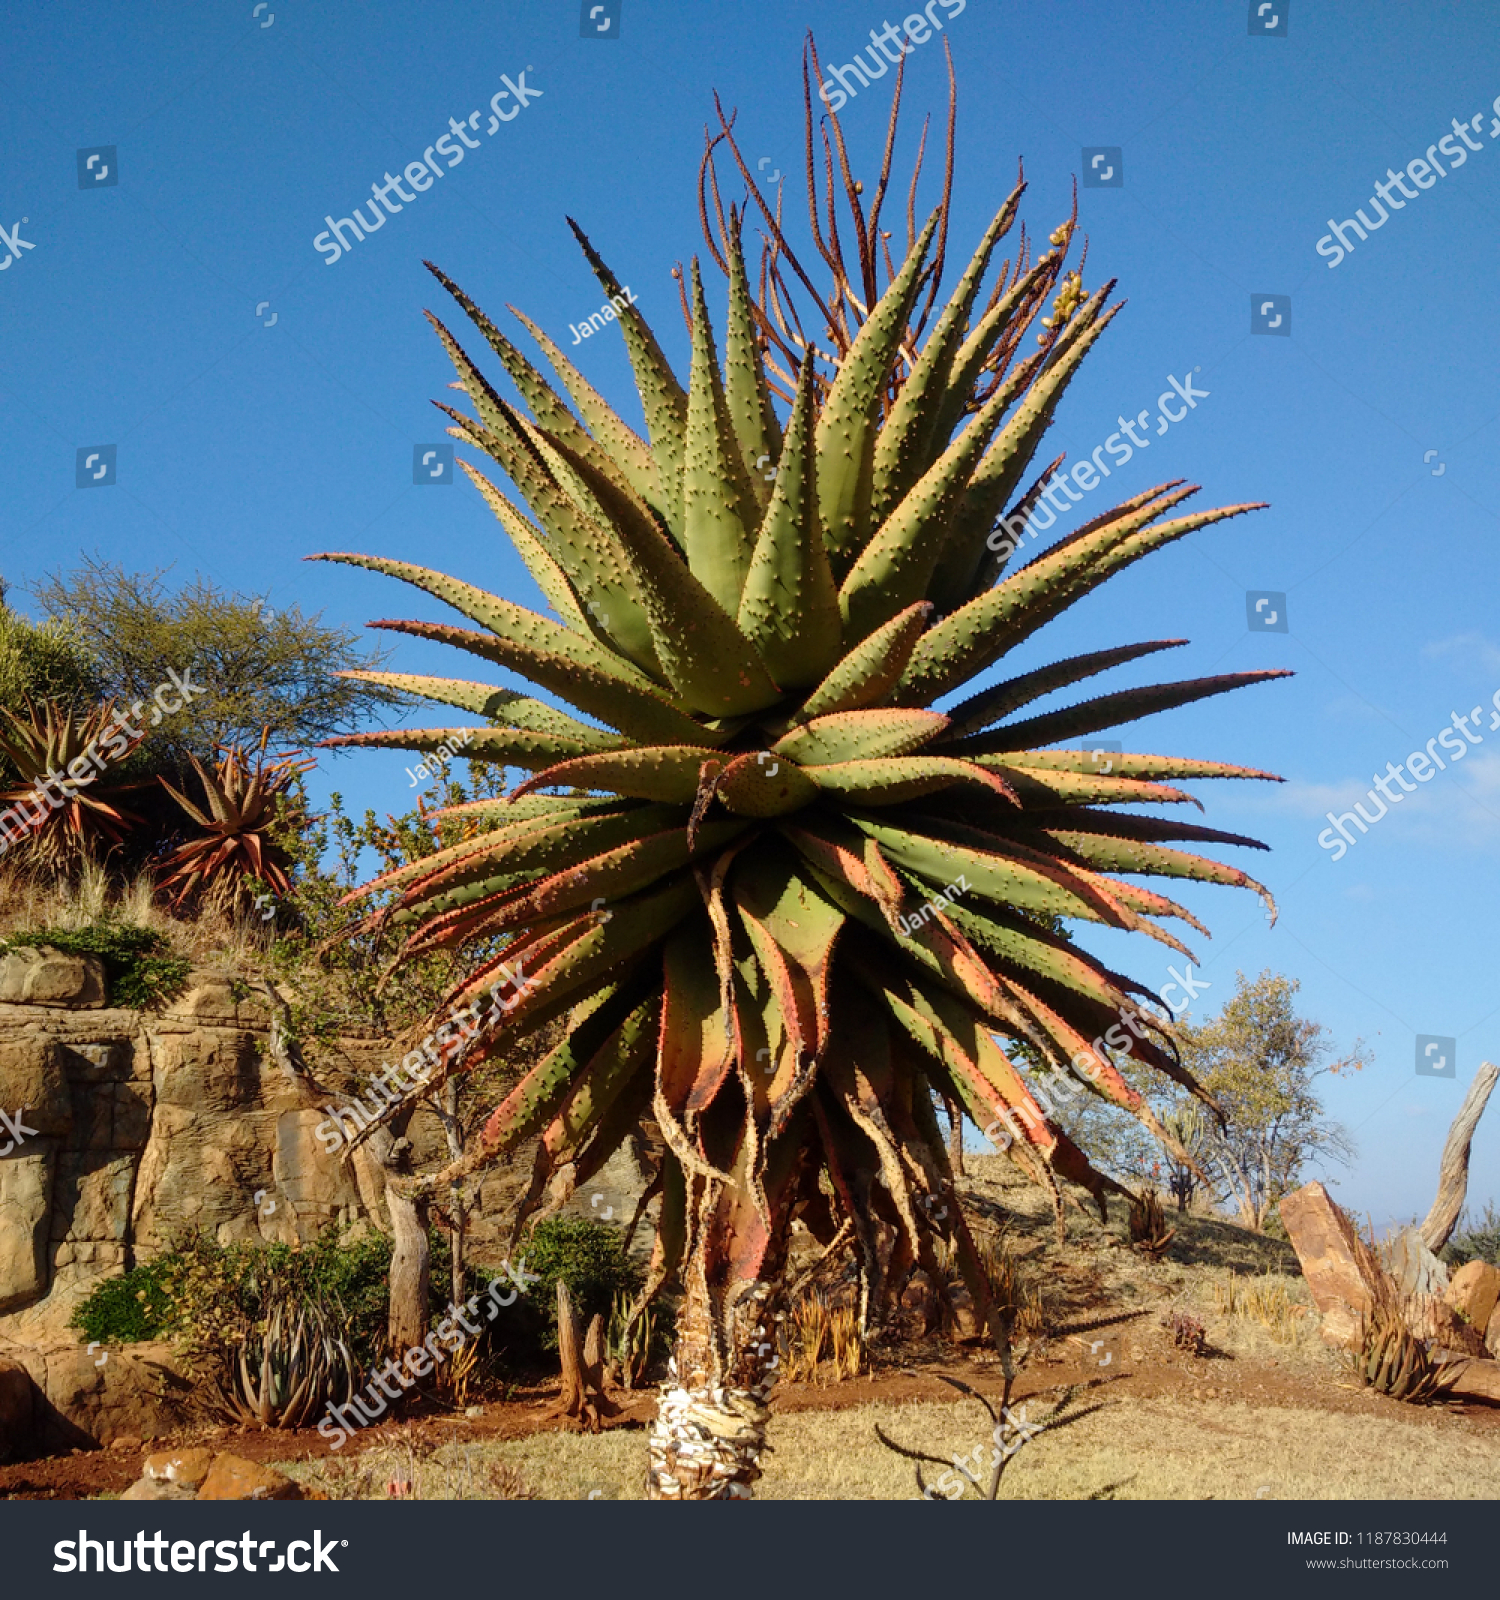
(135, 1128)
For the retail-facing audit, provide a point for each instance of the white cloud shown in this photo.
(1459, 806)
(1466, 647)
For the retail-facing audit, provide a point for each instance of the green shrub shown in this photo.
(1476, 1239)
(140, 974)
(126, 1310)
(204, 1295)
(41, 662)
(587, 1256)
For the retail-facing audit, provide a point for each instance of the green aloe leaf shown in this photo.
(790, 604)
(892, 780)
(991, 705)
(504, 706)
(1107, 711)
(746, 393)
(710, 663)
(978, 635)
(871, 670)
(597, 569)
(909, 442)
(718, 509)
(655, 772)
(847, 424)
(859, 735)
(662, 397)
(624, 446)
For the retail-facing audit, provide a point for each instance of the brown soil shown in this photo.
(1104, 1314)
(86, 1474)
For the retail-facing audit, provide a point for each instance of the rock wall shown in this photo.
(133, 1127)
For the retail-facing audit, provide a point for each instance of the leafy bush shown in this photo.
(1476, 1240)
(207, 1295)
(256, 665)
(587, 1256)
(140, 973)
(126, 1310)
(41, 663)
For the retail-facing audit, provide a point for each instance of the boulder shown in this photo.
(1474, 1291)
(1414, 1269)
(92, 1396)
(1439, 1326)
(1478, 1380)
(42, 976)
(33, 1078)
(187, 1468)
(233, 1478)
(157, 1489)
(1337, 1267)
(17, 1411)
(25, 1210)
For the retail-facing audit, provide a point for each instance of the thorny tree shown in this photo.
(710, 887)
(1262, 1062)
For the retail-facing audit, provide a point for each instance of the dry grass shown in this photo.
(823, 1345)
(1132, 1450)
(1010, 1289)
(407, 1470)
(29, 902)
(1272, 1301)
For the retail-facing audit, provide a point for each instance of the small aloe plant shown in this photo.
(64, 818)
(243, 795)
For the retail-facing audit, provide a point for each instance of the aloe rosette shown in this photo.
(710, 868)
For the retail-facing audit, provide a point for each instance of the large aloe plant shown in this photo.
(719, 877)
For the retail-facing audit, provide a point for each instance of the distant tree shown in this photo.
(44, 661)
(1476, 1239)
(334, 960)
(1262, 1063)
(259, 667)
(1191, 1126)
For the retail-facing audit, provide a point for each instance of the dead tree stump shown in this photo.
(583, 1400)
(1453, 1170)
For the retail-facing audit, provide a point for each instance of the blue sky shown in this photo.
(142, 317)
